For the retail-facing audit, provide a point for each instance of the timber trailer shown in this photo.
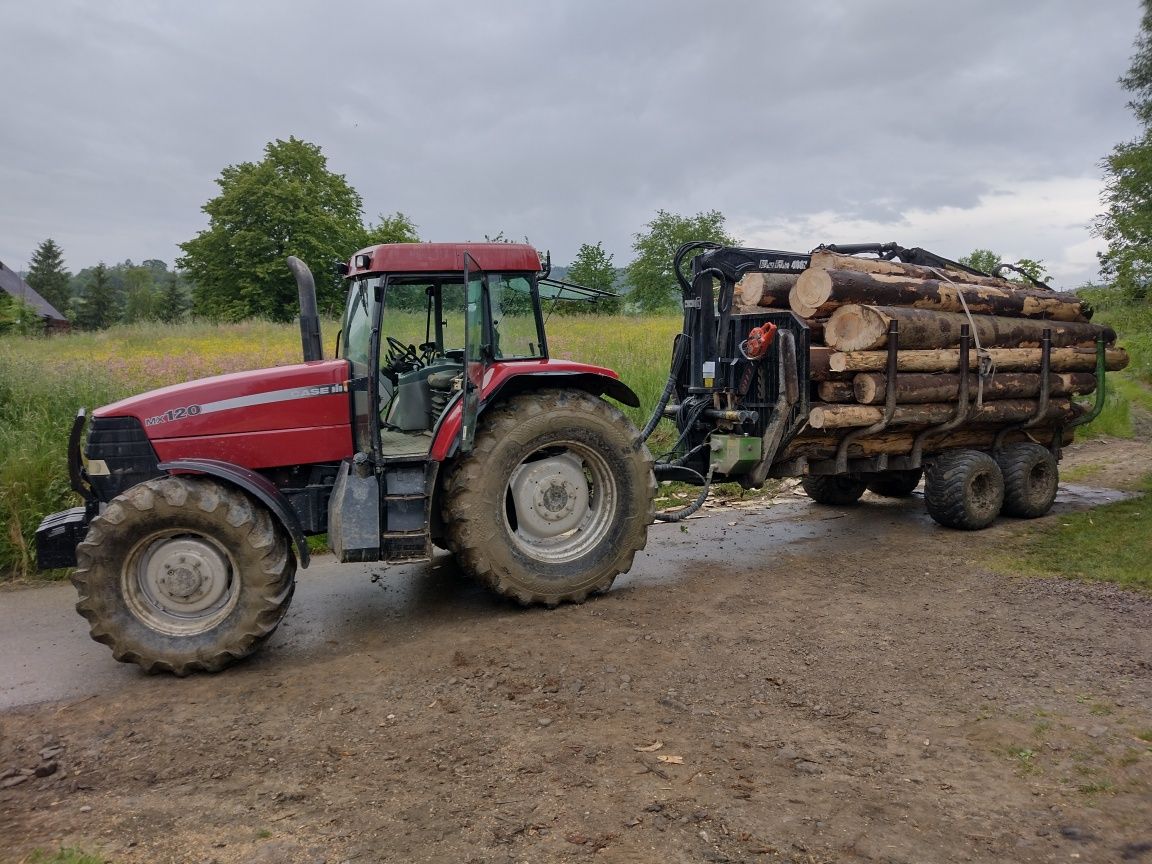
(442, 421)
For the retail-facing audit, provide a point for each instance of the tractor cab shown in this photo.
(432, 333)
(421, 321)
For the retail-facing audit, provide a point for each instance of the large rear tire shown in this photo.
(182, 574)
(833, 490)
(964, 489)
(1031, 477)
(554, 500)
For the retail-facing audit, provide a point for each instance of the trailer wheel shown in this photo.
(964, 489)
(1031, 476)
(833, 490)
(896, 484)
(554, 500)
(183, 574)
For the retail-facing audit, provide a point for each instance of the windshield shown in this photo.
(516, 331)
(429, 315)
(356, 344)
(358, 350)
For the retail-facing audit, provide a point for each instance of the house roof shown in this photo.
(14, 286)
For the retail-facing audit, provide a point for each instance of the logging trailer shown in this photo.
(443, 421)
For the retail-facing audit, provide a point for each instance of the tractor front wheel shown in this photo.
(554, 500)
(183, 574)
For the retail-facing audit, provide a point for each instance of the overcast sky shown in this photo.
(975, 123)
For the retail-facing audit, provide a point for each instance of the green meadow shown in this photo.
(43, 382)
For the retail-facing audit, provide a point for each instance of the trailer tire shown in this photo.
(554, 500)
(1031, 477)
(832, 490)
(964, 489)
(896, 484)
(183, 574)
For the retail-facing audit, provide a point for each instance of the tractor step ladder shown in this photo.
(405, 511)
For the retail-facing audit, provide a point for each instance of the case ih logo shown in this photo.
(175, 414)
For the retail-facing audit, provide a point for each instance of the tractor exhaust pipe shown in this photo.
(309, 317)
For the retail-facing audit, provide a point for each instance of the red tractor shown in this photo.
(441, 421)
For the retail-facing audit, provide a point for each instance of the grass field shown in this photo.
(44, 381)
(1112, 543)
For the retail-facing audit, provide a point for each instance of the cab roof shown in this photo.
(443, 257)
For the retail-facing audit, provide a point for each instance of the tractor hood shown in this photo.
(284, 397)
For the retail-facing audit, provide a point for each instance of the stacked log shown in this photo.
(850, 304)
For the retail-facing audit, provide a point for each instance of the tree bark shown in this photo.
(870, 388)
(898, 442)
(833, 261)
(864, 328)
(823, 416)
(836, 391)
(948, 360)
(821, 292)
(764, 289)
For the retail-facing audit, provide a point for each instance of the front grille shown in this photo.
(122, 445)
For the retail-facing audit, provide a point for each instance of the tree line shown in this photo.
(289, 203)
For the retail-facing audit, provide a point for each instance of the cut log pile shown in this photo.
(850, 304)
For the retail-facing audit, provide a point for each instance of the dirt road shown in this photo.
(783, 683)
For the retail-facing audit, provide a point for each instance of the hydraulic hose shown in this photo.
(684, 512)
(678, 345)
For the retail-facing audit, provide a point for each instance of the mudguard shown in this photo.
(256, 485)
(511, 381)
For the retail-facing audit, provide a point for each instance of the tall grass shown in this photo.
(1129, 392)
(44, 381)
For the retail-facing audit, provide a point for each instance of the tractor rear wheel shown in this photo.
(182, 574)
(554, 500)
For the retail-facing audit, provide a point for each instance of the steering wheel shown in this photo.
(401, 357)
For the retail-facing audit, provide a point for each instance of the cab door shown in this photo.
(477, 350)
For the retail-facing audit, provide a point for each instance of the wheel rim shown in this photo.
(180, 584)
(560, 502)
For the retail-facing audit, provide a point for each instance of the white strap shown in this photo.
(986, 368)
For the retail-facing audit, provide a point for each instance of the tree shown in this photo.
(986, 261)
(593, 268)
(19, 318)
(1126, 224)
(99, 307)
(289, 203)
(654, 285)
(141, 294)
(173, 303)
(396, 228)
(48, 276)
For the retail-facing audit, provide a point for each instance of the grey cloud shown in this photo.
(567, 122)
